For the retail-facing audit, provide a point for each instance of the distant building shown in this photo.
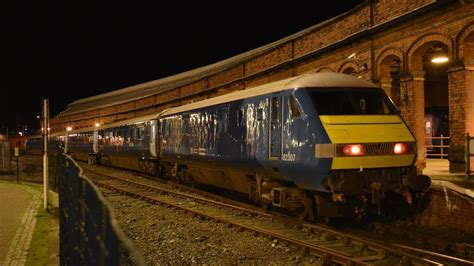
(390, 43)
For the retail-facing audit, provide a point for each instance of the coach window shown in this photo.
(259, 114)
(166, 129)
(295, 108)
(140, 132)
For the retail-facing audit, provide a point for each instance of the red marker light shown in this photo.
(400, 148)
(353, 150)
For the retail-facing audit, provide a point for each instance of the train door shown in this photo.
(153, 132)
(275, 144)
(95, 142)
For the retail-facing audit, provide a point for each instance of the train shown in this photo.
(320, 145)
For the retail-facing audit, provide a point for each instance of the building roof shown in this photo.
(154, 87)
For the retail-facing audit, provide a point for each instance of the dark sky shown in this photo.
(68, 50)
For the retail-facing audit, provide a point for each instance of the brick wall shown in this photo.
(448, 209)
(385, 10)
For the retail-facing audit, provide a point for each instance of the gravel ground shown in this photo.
(166, 236)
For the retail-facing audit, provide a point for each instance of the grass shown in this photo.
(38, 253)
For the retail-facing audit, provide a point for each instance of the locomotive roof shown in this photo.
(314, 80)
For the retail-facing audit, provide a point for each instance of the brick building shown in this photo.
(387, 42)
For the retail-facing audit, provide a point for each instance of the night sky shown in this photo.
(68, 50)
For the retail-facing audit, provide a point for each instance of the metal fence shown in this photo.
(5, 155)
(89, 234)
(438, 147)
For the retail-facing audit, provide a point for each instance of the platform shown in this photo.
(18, 209)
(438, 170)
(19, 204)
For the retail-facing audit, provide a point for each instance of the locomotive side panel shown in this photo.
(215, 145)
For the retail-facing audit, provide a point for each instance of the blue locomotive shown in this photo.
(323, 144)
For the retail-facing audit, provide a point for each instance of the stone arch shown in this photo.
(420, 106)
(419, 46)
(465, 44)
(325, 69)
(389, 65)
(349, 67)
(385, 57)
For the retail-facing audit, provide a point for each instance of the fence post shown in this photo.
(442, 144)
(468, 157)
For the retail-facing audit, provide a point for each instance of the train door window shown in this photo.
(133, 132)
(275, 129)
(222, 121)
(294, 108)
(276, 109)
(101, 137)
(240, 117)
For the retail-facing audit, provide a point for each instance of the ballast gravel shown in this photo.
(167, 236)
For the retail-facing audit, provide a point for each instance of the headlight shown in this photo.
(353, 150)
(399, 148)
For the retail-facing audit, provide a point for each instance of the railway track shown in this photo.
(412, 237)
(329, 245)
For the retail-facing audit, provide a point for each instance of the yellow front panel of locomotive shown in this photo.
(364, 162)
(361, 129)
(366, 129)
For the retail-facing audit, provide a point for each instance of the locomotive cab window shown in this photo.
(352, 101)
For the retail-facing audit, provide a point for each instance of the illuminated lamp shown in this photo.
(439, 55)
(399, 148)
(353, 150)
(68, 128)
(97, 124)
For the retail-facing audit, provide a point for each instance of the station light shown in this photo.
(439, 55)
(68, 128)
(97, 124)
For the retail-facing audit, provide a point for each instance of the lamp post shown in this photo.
(45, 114)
